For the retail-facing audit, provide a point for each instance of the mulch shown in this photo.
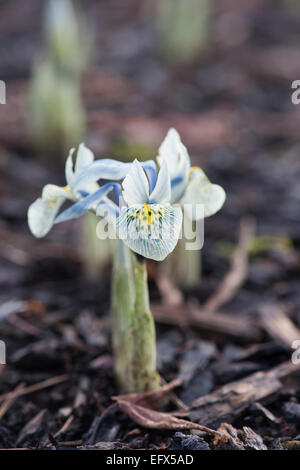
(224, 346)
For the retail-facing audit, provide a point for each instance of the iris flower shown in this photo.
(189, 185)
(146, 210)
(43, 211)
(148, 224)
(146, 221)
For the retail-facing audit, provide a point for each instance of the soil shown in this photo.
(229, 342)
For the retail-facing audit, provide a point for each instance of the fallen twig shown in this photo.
(279, 327)
(238, 269)
(229, 401)
(9, 400)
(241, 329)
(36, 387)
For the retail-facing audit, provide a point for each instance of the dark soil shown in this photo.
(233, 109)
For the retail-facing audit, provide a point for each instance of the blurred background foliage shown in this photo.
(118, 77)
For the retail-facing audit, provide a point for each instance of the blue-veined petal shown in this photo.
(201, 191)
(105, 168)
(112, 209)
(178, 185)
(109, 169)
(150, 230)
(41, 215)
(151, 170)
(162, 191)
(88, 203)
(136, 185)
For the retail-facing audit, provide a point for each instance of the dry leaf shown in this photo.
(150, 399)
(159, 420)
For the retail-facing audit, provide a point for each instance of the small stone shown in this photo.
(182, 441)
(291, 412)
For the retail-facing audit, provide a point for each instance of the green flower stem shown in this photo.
(133, 325)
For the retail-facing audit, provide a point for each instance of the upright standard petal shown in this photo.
(150, 230)
(136, 185)
(69, 168)
(150, 168)
(162, 191)
(201, 191)
(41, 215)
(176, 155)
(168, 151)
(84, 157)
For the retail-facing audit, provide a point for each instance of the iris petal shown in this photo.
(88, 203)
(150, 230)
(168, 151)
(69, 172)
(136, 185)
(84, 157)
(41, 215)
(51, 192)
(105, 168)
(109, 169)
(176, 155)
(201, 191)
(150, 168)
(162, 191)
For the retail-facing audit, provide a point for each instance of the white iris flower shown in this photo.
(149, 225)
(43, 211)
(150, 218)
(189, 185)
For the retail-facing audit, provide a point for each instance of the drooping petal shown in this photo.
(41, 215)
(51, 192)
(162, 191)
(135, 185)
(84, 157)
(201, 191)
(150, 230)
(88, 203)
